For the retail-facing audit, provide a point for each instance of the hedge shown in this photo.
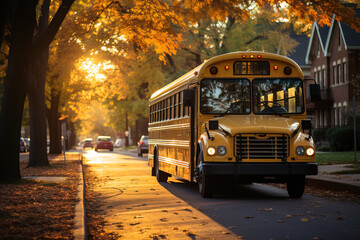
(342, 138)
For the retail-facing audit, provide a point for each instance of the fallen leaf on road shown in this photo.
(340, 217)
(265, 209)
(304, 219)
(249, 217)
(187, 209)
(225, 233)
(138, 216)
(133, 224)
(289, 216)
(176, 228)
(280, 221)
(164, 220)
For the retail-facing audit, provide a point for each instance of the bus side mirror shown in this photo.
(213, 125)
(306, 124)
(315, 95)
(188, 97)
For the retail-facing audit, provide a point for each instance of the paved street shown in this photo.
(138, 207)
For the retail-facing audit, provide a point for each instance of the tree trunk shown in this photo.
(15, 88)
(54, 123)
(36, 94)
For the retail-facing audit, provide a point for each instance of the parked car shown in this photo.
(88, 143)
(119, 143)
(104, 142)
(23, 146)
(143, 146)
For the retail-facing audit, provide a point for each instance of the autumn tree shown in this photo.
(22, 51)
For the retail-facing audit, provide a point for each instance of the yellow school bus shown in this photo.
(238, 117)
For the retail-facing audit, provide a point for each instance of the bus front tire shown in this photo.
(295, 186)
(205, 186)
(205, 182)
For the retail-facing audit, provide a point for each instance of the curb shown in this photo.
(80, 228)
(332, 185)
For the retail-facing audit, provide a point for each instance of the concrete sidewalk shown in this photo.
(326, 179)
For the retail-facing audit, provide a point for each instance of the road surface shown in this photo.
(138, 207)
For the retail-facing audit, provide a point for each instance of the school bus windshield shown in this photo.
(270, 96)
(220, 95)
(277, 96)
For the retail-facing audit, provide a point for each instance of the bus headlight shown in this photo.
(211, 151)
(310, 151)
(221, 150)
(300, 150)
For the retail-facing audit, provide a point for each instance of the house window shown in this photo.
(338, 73)
(318, 48)
(344, 72)
(335, 116)
(323, 77)
(319, 78)
(315, 76)
(340, 116)
(325, 118)
(334, 75)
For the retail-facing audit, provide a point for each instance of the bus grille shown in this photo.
(261, 146)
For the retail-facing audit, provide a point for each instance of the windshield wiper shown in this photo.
(232, 105)
(266, 104)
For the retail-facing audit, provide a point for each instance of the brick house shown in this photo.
(333, 54)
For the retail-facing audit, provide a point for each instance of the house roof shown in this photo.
(322, 33)
(299, 53)
(350, 36)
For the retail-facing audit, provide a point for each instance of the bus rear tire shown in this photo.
(295, 186)
(160, 175)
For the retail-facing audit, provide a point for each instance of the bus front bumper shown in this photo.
(265, 169)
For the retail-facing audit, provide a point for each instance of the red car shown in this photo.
(104, 142)
(88, 143)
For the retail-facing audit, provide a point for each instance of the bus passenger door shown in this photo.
(191, 102)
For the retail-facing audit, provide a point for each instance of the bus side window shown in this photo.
(151, 114)
(180, 105)
(171, 106)
(176, 101)
(186, 108)
(163, 110)
(166, 109)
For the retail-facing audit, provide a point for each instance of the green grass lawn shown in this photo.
(324, 158)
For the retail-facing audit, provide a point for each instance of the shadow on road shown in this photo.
(234, 191)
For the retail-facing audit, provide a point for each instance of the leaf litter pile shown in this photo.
(37, 209)
(94, 208)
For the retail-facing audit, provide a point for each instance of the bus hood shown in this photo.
(258, 124)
